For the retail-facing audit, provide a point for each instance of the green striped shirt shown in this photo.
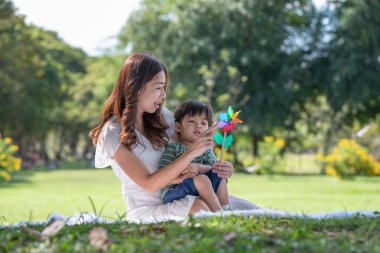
(174, 150)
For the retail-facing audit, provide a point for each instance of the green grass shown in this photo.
(228, 234)
(308, 194)
(35, 195)
(300, 164)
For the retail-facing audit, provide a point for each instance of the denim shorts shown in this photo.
(187, 187)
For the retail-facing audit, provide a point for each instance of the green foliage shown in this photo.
(218, 234)
(278, 61)
(51, 94)
(220, 71)
(318, 127)
(270, 155)
(241, 51)
(351, 62)
(349, 159)
(371, 137)
(8, 162)
(37, 71)
(80, 111)
(286, 65)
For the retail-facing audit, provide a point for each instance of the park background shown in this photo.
(306, 80)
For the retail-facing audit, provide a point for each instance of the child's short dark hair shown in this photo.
(191, 108)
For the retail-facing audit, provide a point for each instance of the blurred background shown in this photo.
(304, 74)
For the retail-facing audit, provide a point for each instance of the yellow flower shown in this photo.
(14, 148)
(280, 143)
(18, 163)
(8, 140)
(349, 158)
(331, 171)
(319, 157)
(268, 139)
(344, 143)
(5, 175)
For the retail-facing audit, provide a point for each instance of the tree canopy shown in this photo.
(284, 64)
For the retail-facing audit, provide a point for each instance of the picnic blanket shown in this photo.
(86, 218)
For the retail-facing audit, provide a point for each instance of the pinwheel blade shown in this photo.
(230, 112)
(235, 114)
(222, 124)
(236, 120)
(223, 117)
(228, 141)
(218, 139)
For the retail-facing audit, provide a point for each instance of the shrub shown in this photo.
(269, 155)
(8, 162)
(349, 159)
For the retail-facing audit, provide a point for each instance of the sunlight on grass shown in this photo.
(35, 195)
(62, 192)
(301, 164)
(308, 194)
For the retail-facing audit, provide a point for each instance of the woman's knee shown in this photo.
(199, 205)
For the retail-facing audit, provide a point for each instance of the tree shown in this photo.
(260, 37)
(36, 72)
(351, 61)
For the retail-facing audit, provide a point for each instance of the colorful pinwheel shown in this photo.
(227, 123)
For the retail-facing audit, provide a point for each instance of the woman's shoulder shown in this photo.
(110, 133)
(112, 125)
(107, 144)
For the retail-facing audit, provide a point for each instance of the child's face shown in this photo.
(191, 127)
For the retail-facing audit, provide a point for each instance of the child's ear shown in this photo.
(177, 127)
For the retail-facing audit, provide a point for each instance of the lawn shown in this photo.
(34, 195)
(227, 234)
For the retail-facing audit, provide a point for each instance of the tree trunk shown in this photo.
(59, 144)
(89, 151)
(255, 145)
(73, 144)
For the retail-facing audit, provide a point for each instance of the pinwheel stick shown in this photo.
(222, 150)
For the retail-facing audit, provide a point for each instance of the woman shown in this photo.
(131, 138)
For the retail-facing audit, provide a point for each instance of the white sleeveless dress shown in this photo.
(144, 206)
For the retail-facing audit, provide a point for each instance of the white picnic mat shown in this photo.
(84, 218)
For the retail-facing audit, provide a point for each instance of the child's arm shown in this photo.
(180, 178)
(201, 168)
(169, 155)
(208, 162)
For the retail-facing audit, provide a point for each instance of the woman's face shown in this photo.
(152, 95)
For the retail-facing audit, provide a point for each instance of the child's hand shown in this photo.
(189, 174)
(183, 176)
(203, 143)
(192, 167)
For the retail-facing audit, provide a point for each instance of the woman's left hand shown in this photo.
(223, 169)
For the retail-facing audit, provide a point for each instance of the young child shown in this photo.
(192, 118)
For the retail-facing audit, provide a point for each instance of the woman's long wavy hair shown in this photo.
(135, 73)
